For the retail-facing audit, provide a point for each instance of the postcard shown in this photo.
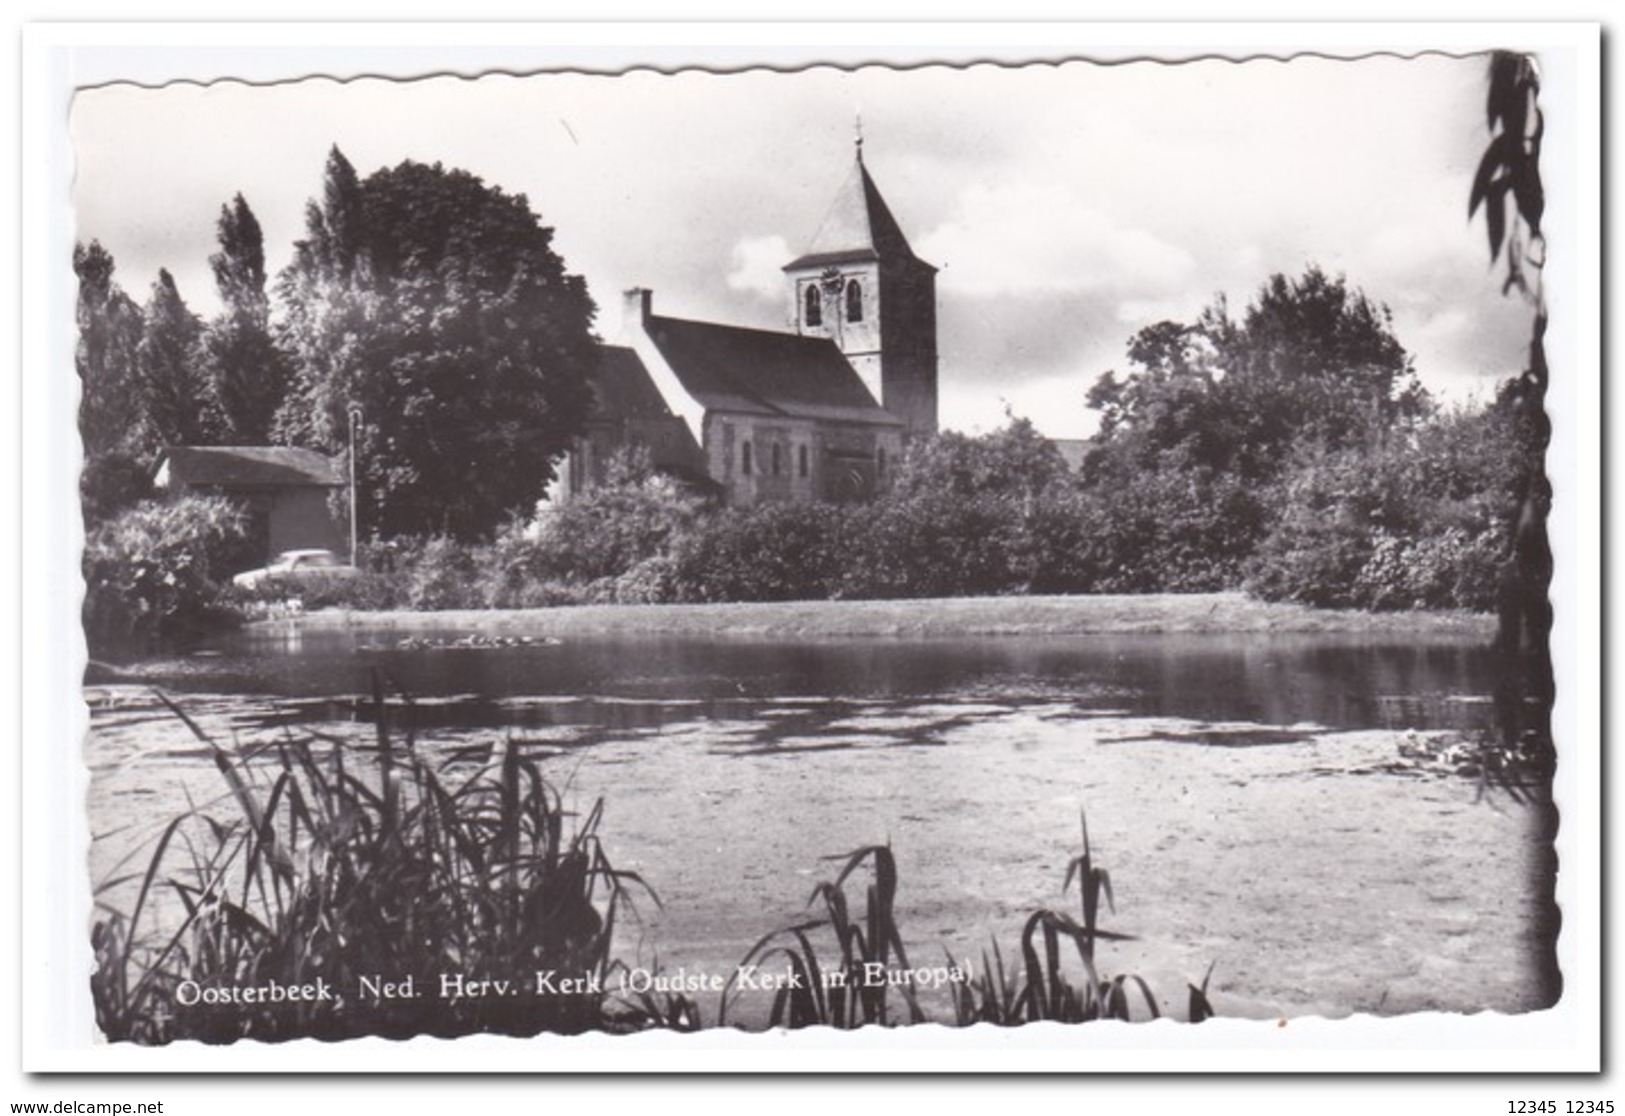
(703, 554)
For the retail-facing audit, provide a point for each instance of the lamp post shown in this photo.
(355, 421)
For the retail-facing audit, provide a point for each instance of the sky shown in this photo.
(1065, 205)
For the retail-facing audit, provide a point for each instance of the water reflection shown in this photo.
(630, 682)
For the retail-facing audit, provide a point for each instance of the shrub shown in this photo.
(933, 545)
(439, 573)
(1420, 522)
(652, 581)
(1453, 569)
(153, 572)
(770, 552)
(1183, 532)
(603, 533)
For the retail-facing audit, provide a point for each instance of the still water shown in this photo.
(1336, 681)
(1242, 788)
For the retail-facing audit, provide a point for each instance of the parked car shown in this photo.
(292, 565)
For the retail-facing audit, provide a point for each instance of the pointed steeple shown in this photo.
(861, 286)
(858, 225)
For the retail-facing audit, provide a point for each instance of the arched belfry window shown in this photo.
(815, 306)
(854, 301)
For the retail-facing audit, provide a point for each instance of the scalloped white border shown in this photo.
(58, 1033)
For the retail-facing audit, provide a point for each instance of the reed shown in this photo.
(854, 985)
(1046, 984)
(451, 894)
(840, 971)
(409, 902)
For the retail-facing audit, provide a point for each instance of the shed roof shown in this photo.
(247, 467)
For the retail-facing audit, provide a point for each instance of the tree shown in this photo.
(109, 337)
(246, 372)
(1013, 461)
(1312, 362)
(1508, 187)
(963, 516)
(1199, 442)
(436, 307)
(1322, 362)
(117, 448)
(172, 396)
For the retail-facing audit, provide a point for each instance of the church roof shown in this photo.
(759, 372)
(858, 226)
(622, 388)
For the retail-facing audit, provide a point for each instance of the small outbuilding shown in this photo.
(295, 498)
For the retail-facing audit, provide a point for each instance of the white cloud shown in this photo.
(1137, 312)
(1054, 404)
(756, 266)
(1024, 238)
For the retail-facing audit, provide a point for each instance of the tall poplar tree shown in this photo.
(173, 395)
(110, 325)
(246, 372)
(116, 443)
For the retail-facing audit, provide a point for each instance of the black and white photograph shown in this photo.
(740, 551)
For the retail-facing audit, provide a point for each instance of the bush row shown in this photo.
(1420, 521)
(1156, 536)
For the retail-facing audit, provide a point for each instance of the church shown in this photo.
(819, 414)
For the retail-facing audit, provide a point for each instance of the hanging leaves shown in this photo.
(1509, 172)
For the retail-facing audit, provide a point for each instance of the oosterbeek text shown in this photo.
(554, 982)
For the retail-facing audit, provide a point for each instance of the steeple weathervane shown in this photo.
(858, 139)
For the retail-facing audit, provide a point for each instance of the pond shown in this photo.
(1333, 680)
(1247, 793)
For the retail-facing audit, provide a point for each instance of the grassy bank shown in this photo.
(959, 616)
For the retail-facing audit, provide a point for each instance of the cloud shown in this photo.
(1052, 403)
(756, 266)
(1026, 238)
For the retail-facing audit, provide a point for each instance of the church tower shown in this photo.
(861, 285)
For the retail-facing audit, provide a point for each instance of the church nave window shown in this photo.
(745, 462)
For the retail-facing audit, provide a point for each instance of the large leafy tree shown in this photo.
(1312, 363)
(434, 309)
(246, 372)
(1199, 437)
